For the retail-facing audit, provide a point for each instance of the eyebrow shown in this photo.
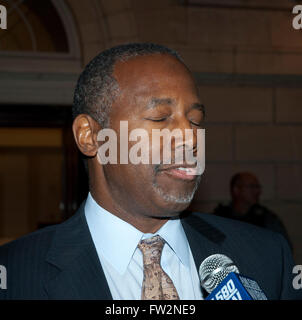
(200, 107)
(154, 102)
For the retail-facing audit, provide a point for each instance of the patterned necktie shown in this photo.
(157, 285)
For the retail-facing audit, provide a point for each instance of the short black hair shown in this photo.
(96, 88)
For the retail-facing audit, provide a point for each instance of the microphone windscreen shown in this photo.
(214, 269)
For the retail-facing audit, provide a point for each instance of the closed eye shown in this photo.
(156, 120)
(196, 124)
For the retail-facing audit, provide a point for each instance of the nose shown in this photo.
(186, 137)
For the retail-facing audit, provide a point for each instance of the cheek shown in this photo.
(136, 178)
(138, 141)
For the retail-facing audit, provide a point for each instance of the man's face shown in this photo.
(249, 189)
(156, 92)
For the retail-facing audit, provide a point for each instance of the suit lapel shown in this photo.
(203, 238)
(78, 271)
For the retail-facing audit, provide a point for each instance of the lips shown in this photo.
(181, 172)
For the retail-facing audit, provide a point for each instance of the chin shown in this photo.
(173, 204)
(174, 198)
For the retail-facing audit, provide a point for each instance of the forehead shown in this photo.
(153, 73)
(249, 179)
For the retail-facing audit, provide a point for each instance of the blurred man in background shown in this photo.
(245, 192)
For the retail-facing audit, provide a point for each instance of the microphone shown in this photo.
(220, 277)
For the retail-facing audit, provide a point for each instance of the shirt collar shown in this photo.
(109, 233)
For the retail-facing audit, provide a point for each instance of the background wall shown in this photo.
(247, 61)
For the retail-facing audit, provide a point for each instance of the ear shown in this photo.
(85, 131)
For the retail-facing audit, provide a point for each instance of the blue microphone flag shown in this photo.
(237, 287)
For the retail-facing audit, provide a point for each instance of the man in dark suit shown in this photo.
(129, 240)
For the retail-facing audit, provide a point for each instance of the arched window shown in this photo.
(33, 26)
(40, 36)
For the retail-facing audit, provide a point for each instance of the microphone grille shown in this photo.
(214, 269)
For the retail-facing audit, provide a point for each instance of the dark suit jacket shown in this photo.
(61, 262)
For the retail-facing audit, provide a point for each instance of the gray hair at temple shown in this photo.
(96, 88)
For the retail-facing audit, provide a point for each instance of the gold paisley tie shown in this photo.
(157, 285)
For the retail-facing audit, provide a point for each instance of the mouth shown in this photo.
(182, 172)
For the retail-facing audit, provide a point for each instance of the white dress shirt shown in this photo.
(116, 243)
